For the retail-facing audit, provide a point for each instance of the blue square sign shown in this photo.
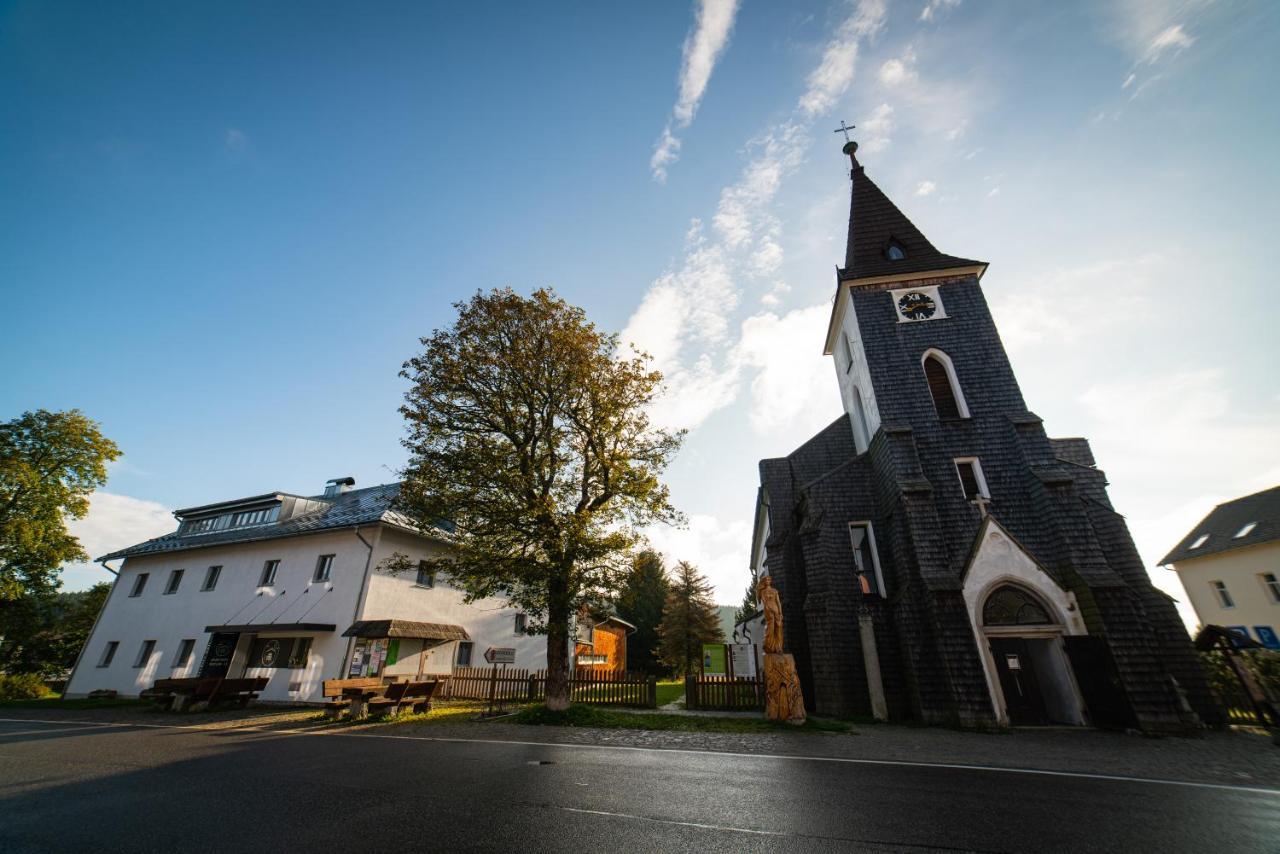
(1242, 631)
(1268, 636)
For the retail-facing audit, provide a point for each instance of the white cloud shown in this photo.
(925, 188)
(702, 49)
(877, 130)
(715, 547)
(896, 72)
(834, 73)
(1173, 37)
(235, 140)
(933, 8)
(114, 522)
(993, 192)
(792, 393)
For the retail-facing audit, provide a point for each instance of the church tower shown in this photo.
(938, 556)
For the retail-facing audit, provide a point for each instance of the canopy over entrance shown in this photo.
(439, 632)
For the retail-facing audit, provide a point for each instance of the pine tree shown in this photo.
(644, 593)
(750, 603)
(689, 620)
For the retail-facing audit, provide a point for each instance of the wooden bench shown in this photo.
(331, 690)
(182, 694)
(414, 695)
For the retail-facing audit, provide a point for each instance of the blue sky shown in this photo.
(222, 229)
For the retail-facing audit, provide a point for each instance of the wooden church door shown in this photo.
(1022, 697)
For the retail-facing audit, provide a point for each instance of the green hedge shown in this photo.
(23, 686)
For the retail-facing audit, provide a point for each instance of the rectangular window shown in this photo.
(211, 578)
(144, 654)
(185, 649)
(848, 353)
(971, 479)
(108, 653)
(255, 517)
(464, 653)
(301, 653)
(522, 623)
(139, 584)
(175, 579)
(1224, 597)
(866, 562)
(324, 567)
(1270, 582)
(426, 575)
(269, 573)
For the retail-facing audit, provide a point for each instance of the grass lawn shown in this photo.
(669, 692)
(592, 716)
(78, 703)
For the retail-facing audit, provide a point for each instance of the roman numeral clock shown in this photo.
(916, 304)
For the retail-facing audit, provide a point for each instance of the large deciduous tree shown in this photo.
(640, 602)
(50, 462)
(528, 431)
(689, 620)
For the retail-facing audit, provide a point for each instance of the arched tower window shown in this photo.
(948, 401)
(1012, 606)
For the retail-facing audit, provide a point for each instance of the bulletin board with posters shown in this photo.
(369, 657)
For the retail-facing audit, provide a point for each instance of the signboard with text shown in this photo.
(500, 655)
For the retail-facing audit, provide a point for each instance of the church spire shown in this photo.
(882, 241)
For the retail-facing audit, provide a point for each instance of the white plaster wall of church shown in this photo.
(1000, 561)
(237, 598)
(489, 622)
(854, 377)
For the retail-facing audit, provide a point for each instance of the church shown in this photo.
(939, 557)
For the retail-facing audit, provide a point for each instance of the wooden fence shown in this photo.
(724, 693)
(602, 687)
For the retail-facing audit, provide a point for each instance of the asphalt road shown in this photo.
(70, 786)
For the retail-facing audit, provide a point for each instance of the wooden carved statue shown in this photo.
(783, 699)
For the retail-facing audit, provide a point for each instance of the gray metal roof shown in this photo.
(366, 506)
(1221, 526)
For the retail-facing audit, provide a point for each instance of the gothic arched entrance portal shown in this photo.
(1032, 669)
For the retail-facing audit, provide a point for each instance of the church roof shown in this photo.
(876, 225)
(1247, 521)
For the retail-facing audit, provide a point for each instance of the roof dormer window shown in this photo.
(1200, 541)
(1246, 530)
(894, 251)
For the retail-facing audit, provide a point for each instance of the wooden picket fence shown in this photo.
(724, 693)
(602, 687)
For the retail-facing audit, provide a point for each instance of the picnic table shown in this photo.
(382, 697)
(179, 695)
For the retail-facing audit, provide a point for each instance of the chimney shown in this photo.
(338, 485)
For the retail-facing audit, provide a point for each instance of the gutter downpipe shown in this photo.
(80, 655)
(364, 594)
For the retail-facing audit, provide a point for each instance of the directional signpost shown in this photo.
(496, 655)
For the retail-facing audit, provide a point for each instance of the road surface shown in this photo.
(73, 786)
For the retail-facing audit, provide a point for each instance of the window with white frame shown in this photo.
(324, 568)
(868, 578)
(972, 480)
(109, 653)
(211, 578)
(521, 624)
(1224, 596)
(269, 570)
(183, 658)
(1272, 585)
(139, 584)
(144, 654)
(175, 579)
(944, 386)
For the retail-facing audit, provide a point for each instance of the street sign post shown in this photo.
(500, 655)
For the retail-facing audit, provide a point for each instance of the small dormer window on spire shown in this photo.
(894, 251)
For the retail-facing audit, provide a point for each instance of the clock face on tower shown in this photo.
(916, 305)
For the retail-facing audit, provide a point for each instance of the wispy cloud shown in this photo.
(706, 41)
(235, 140)
(877, 129)
(936, 8)
(925, 188)
(112, 523)
(1154, 33)
(685, 318)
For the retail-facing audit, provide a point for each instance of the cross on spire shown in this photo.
(844, 129)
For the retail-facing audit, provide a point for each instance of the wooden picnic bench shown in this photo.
(182, 694)
(414, 695)
(335, 690)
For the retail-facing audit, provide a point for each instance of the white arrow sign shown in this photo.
(500, 655)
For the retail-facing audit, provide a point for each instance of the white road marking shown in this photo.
(696, 824)
(1082, 775)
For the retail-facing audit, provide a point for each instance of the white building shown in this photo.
(292, 588)
(1229, 564)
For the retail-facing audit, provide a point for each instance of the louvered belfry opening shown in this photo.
(944, 397)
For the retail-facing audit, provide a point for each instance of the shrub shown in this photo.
(22, 686)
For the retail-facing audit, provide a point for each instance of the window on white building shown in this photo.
(426, 575)
(1272, 584)
(300, 653)
(211, 578)
(144, 654)
(464, 653)
(1200, 541)
(175, 579)
(324, 568)
(269, 570)
(139, 584)
(1246, 530)
(108, 653)
(1224, 596)
(183, 658)
(521, 624)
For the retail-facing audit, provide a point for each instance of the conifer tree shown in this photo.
(643, 596)
(689, 620)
